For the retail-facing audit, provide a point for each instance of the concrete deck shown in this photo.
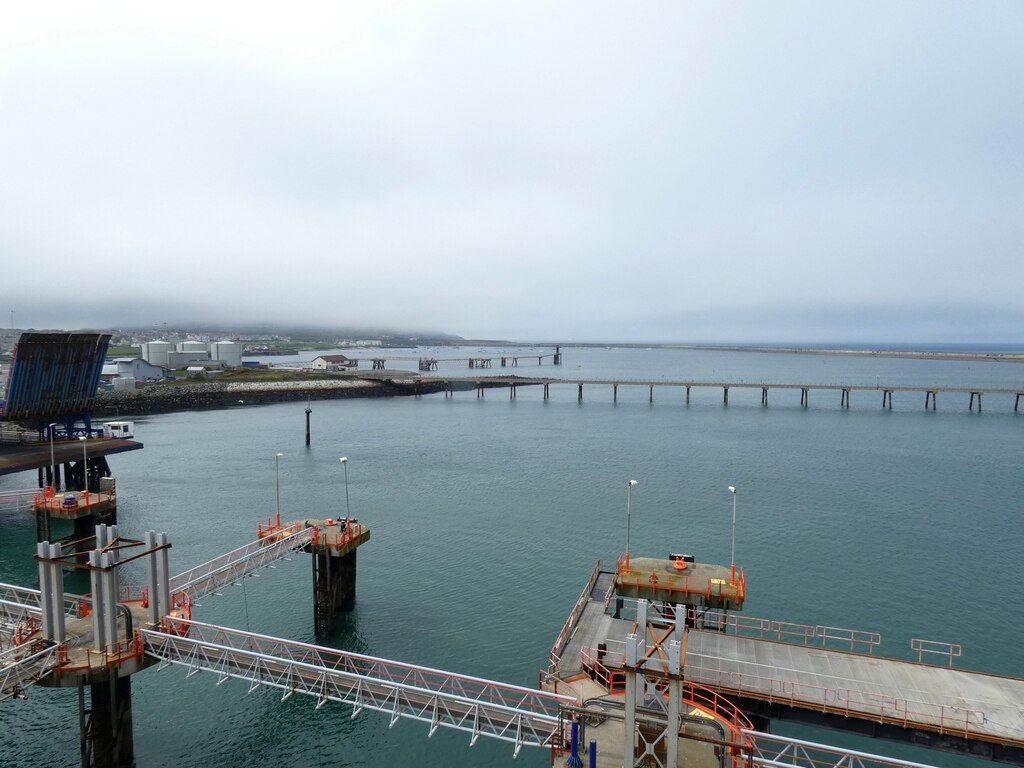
(28, 456)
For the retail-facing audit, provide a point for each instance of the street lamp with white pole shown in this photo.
(732, 567)
(277, 473)
(344, 463)
(629, 498)
(85, 465)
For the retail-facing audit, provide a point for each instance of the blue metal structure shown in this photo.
(54, 377)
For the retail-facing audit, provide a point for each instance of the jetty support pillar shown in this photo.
(106, 738)
(334, 588)
(333, 550)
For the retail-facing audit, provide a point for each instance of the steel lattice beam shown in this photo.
(211, 576)
(521, 716)
(771, 751)
(21, 666)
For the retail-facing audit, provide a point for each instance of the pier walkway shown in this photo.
(972, 706)
(521, 716)
(791, 671)
(972, 395)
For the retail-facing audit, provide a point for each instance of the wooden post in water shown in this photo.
(887, 398)
(971, 406)
(725, 395)
(803, 396)
(651, 397)
(579, 395)
(764, 396)
(687, 394)
(615, 393)
(545, 390)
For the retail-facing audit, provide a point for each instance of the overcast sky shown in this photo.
(706, 171)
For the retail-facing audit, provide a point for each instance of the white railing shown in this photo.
(18, 499)
(555, 656)
(22, 666)
(771, 751)
(522, 716)
(207, 578)
(842, 638)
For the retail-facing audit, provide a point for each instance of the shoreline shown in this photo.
(215, 395)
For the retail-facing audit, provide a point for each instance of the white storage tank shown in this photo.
(155, 352)
(191, 346)
(227, 352)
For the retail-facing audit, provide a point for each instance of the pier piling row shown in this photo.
(845, 390)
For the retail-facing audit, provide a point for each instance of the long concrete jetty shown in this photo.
(930, 393)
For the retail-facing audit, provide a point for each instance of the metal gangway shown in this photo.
(229, 568)
(522, 716)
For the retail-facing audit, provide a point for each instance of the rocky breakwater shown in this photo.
(163, 398)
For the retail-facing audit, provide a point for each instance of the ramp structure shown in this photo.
(54, 377)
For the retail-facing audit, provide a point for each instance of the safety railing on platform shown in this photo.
(113, 654)
(936, 647)
(18, 602)
(18, 499)
(908, 713)
(854, 640)
(555, 656)
(60, 502)
(772, 751)
(735, 587)
(607, 669)
(523, 716)
(228, 568)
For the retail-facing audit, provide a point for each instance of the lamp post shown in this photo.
(629, 498)
(732, 567)
(277, 473)
(85, 465)
(344, 463)
(53, 464)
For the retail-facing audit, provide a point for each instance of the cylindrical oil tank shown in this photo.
(155, 352)
(227, 352)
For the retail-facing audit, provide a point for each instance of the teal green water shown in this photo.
(488, 515)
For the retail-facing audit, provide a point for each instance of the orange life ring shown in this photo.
(654, 578)
(329, 521)
(679, 564)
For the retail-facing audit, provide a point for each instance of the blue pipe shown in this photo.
(574, 760)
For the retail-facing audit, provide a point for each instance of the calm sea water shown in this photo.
(488, 515)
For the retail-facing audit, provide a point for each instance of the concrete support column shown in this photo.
(152, 584)
(163, 595)
(45, 591)
(109, 723)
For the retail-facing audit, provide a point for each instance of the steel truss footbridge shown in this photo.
(517, 715)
